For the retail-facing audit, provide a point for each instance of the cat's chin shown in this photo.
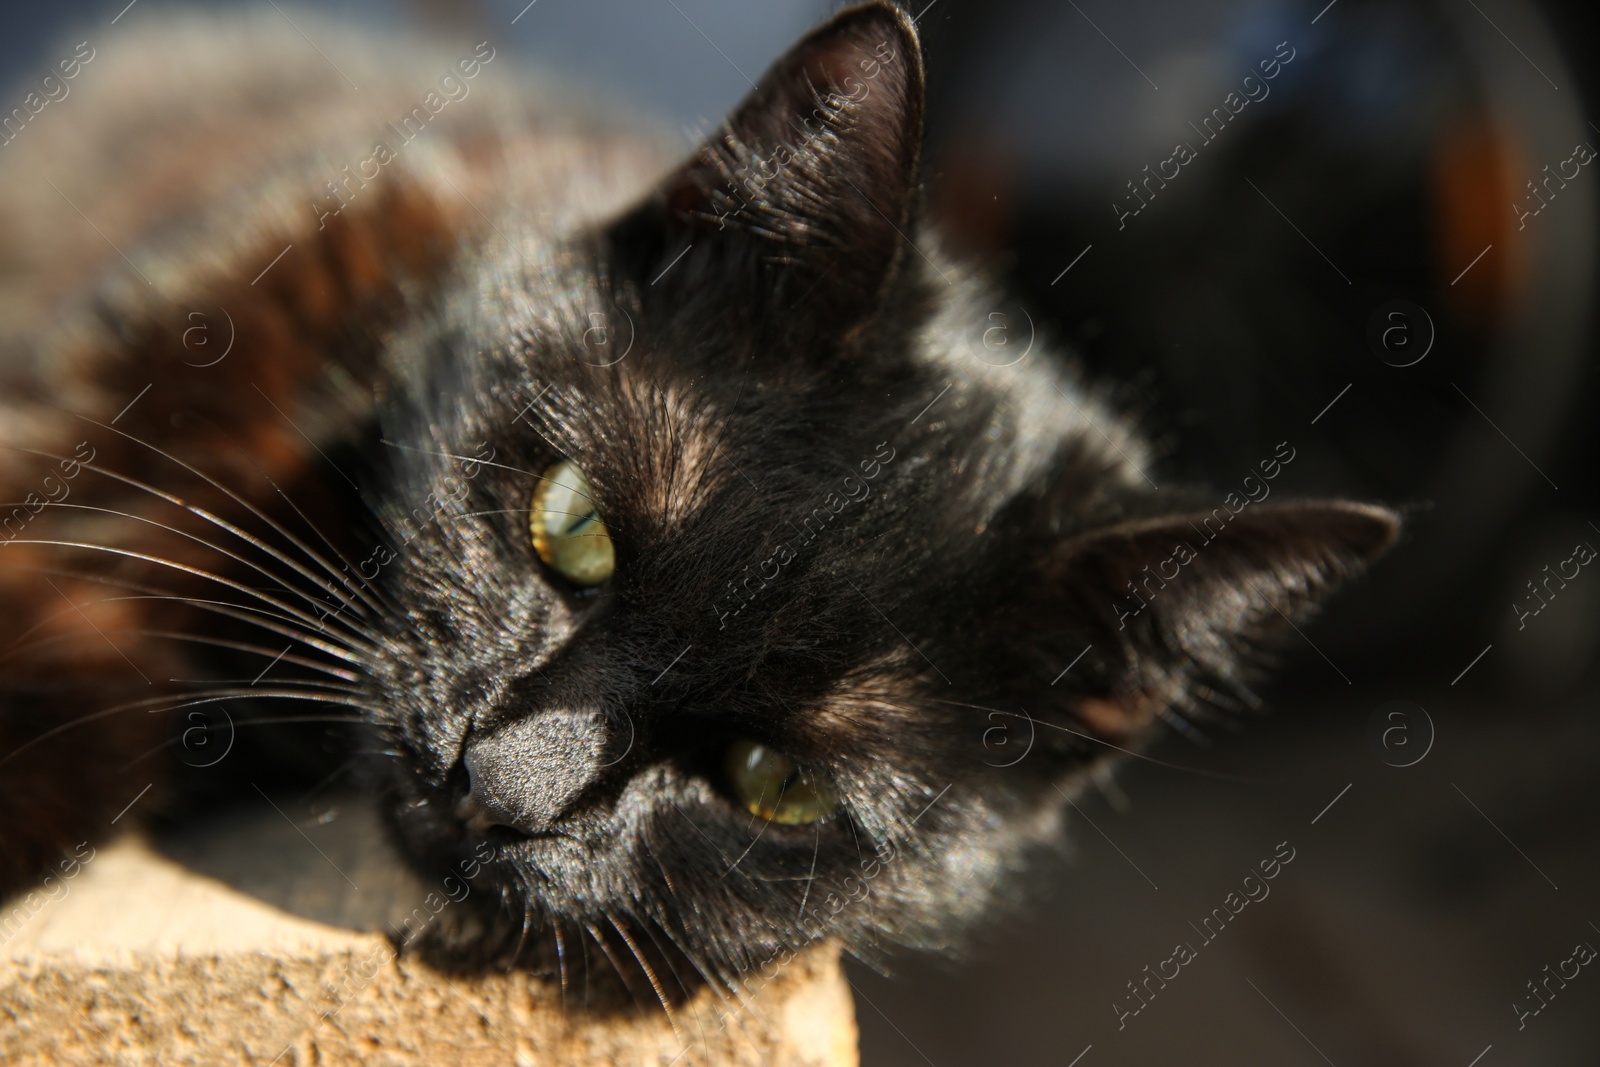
(606, 966)
(603, 979)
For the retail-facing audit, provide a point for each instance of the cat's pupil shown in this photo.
(566, 528)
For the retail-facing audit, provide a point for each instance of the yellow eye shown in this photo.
(566, 527)
(771, 786)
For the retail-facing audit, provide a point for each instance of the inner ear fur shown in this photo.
(806, 191)
(1182, 601)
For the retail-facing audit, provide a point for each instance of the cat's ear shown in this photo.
(806, 192)
(1182, 600)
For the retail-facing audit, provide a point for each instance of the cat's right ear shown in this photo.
(797, 209)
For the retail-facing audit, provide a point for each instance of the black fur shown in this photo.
(786, 335)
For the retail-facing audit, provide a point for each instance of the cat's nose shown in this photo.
(527, 773)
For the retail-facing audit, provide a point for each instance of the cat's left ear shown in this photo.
(1174, 606)
(805, 192)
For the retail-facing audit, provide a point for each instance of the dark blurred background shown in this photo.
(1353, 265)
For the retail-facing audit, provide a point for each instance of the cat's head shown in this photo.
(741, 599)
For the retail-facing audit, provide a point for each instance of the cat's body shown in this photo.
(202, 172)
(845, 531)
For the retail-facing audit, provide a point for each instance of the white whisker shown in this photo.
(215, 548)
(197, 572)
(231, 495)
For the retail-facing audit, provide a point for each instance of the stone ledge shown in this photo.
(140, 960)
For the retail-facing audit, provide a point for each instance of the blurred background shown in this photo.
(1384, 253)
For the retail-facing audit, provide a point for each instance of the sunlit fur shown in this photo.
(937, 608)
(839, 530)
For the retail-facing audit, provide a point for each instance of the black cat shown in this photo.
(714, 553)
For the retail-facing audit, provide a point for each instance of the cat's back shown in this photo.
(213, 224)
(187, 147)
